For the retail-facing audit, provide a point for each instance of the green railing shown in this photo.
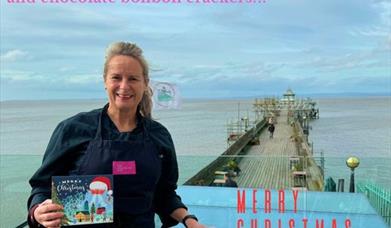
(379, 198)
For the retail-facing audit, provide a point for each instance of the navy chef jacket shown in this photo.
(69, 143)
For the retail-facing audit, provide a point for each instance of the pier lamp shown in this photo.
(352, 163)
(245, 120)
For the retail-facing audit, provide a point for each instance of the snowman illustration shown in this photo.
(101, 196)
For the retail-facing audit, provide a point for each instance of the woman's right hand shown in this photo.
(49, 214)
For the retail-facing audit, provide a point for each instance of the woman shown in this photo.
(91, 143)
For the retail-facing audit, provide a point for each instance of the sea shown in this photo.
(348, 126)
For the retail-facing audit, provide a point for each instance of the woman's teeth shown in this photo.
(124, 95)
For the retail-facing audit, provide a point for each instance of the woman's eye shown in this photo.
(133, 79)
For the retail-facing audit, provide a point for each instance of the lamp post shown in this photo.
(245, 120)
(352, 163)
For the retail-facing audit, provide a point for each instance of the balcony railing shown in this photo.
(379, 198)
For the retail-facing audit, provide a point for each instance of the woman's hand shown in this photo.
(49, 214)
(192, 223)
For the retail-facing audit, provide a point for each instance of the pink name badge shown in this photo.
(124, 167)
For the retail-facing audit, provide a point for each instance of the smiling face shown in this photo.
(125, 83)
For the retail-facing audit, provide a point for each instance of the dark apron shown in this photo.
(133, 194)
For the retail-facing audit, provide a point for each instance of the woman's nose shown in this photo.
(124, 84)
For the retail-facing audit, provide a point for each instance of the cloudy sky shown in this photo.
(56, 51)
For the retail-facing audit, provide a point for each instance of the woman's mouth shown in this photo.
(124, 95)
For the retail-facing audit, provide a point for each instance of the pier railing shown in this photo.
(207, 173)
(379, 198)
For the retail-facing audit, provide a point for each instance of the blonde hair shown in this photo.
(132, 50)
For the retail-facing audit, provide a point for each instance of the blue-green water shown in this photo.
(347, 126)
(360, 126)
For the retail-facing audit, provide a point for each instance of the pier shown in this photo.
(284, 161)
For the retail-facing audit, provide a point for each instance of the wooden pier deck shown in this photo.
(282, 162)
(267, 165)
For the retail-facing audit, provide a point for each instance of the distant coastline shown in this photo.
(302, 95)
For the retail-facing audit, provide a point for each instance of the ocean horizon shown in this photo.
(303, 95)
(209, 117)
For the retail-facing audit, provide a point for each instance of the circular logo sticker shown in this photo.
(165, 94)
